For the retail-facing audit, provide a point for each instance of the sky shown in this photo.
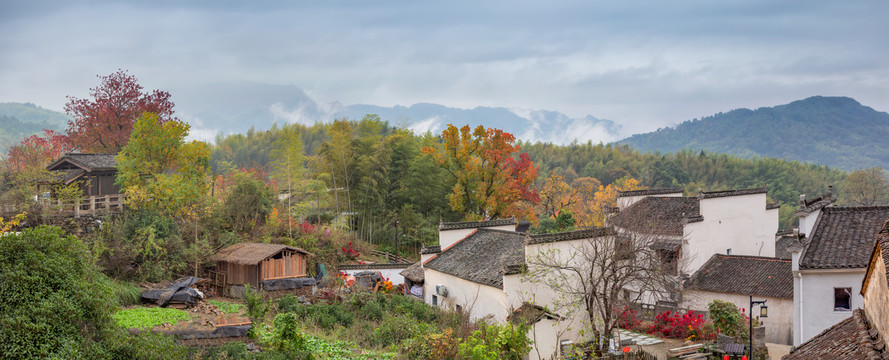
(642, 64)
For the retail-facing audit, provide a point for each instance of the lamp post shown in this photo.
(763, 313)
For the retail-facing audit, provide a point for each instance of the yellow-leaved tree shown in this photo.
(158, 170)
(591, 211)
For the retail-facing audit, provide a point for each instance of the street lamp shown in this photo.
(763, 313)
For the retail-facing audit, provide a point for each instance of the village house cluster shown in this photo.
(725, 245)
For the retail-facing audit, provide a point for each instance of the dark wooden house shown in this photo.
(253, 263)
(96, 173)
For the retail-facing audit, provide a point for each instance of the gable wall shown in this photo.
(876, 296)
(447, 238)
(779, 324)
(740, 223)
(815, 301)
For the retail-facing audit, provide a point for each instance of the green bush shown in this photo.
(286, 335)
(495, 342)
(323, 315)
(727, 318)
(127, 294)
(256, 308)
(52, 304)
(147, 345)
(395, 329)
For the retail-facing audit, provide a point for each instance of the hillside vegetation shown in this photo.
(834, 131)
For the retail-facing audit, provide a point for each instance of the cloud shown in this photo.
(644, 64)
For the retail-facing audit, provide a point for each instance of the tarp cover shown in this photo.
(178, 291)
(368, 278)
(287, 284)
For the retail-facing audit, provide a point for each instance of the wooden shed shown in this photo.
(253, 263)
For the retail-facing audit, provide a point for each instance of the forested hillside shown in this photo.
(834, 131)
(18, 121)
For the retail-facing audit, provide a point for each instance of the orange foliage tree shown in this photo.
(591, 210)
(489, 181)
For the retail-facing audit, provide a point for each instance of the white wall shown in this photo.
(446, 238)
(814, 301)
(480, 300)
(807, 223)
(779, 324)
(740, 223)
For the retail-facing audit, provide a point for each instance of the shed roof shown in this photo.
(843, 237)
(252, 253)
(748, 275)
(481, 256)
(87, 162)
(850, 339)
(737, 192)
(659, 215)
(414, 273)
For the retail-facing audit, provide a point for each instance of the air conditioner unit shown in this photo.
(441, 290)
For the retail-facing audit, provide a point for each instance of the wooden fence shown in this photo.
(91, 206)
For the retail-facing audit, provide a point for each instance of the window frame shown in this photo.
(837, 293)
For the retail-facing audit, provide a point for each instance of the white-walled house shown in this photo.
(692, 229)
(863, 333)
(483, 273)
(829, 264)
(734, 278)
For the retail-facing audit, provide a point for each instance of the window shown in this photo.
(728, 251)
(669, 263)
(434, 300)
(842, 299)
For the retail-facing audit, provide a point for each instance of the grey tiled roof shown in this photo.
(475, 224)
(745, 275)
(774, 205)
(676, 190)
(659, 215)
(850, 339)
(481, 257)
(413, 273)
(724, 193)
(569, 235)
(781, 247)
(843, 237)
(430, 249)
(88, 162)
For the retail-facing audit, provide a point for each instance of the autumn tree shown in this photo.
(489, 181)
(158, 170)
(103, 123)
(592, 210)
(866, 187)
(26, 162)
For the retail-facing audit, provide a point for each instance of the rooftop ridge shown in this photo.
(752, 257)
(658, 191)
(532, 239)
(834, 208)
(475, 224)
(736, 192)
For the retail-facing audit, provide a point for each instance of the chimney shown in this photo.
(802, 199)
(829, 190)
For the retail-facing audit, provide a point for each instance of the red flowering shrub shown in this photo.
(349, 251)
(689, 326)
(306, 228)
(629, 319)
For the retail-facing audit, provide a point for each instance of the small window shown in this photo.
(434, 300)
(842, 299)
(728, 251)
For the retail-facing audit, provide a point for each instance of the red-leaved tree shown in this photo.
(103, 123)
(36, 151)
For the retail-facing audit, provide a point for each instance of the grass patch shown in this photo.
(146, 318)
(227, 307)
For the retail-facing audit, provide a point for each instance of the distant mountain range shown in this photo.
(235, 107)
(834, 131)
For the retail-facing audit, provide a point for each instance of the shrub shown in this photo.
(727, 318)
(256, 308)
(286, 335)
(492, 342)
(52, 305)
(690, 326)
(126, 293)
(395, 329)
(629, 319)
(323, 315)
(147, 345)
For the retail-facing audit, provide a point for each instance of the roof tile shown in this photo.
(844, 237)
(754, 275)
(481, 256)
